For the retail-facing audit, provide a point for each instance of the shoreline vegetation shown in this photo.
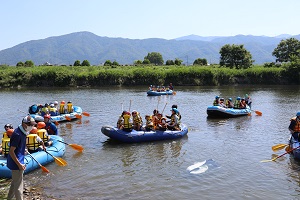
(97, 76)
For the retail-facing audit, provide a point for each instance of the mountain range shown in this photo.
(66, 49)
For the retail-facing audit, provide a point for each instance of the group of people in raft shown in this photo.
(52, 108)
(133, 121)
(239, 103)
(37, 139)
(161, 88)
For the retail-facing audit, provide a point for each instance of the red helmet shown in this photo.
(41, 125)
(33, 130)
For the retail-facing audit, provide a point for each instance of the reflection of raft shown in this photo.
(219, 112)
(156, 93)
(62, 117)
(142, 136)
(294, 144)
(57, 149)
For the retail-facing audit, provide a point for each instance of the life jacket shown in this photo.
(5, 146)
(69, 107)
(155, 121)
(237, 103)
(173, 121)
(120, 121)
(31, 142)
(42, 133)
(297, 125)
(163, 123)
(44, 111)
(216, 103)
(62, 108)
(5, 135)
(127, 124)
(53, 111)
(137, 119)
(149, 123)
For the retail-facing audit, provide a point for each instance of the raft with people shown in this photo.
(143, 136)
(37, 159)
(58, 113)
(159, 93)
(222, 112)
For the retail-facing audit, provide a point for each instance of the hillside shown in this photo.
(65, 49)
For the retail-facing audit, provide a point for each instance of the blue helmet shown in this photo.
(175, 110)
(217, 97)
(298, 114)
(238, 98)
(230, 99)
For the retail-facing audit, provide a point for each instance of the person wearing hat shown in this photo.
(50, 126)
(216, 101)
(178, 113)
(137, 121)
(294, 126)
(248, 100)
(174, 124)
(15, 158)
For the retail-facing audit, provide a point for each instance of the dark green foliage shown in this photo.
(200, 61)
(85, 63)
(286, 49)
(155, 58)
(77, 63)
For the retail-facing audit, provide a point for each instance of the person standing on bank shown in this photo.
(15, 158)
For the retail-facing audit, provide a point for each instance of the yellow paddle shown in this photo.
(281, 155)
(74, 146)
(86, 114)
(279, 147)
(58, 161)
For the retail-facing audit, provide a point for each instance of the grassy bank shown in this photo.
(96, 76)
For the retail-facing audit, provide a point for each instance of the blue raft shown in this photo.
(156, 93)
(57, 149)
(62, 117)
(142, 136)
(295, 147)
(221, 112)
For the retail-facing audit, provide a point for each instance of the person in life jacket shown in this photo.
(216, 101)
(294, 126)
(4, 148)
(174, 124)
(43, 134)
(162, 122)
(229, 103)
(221, 103)
(53, 110)
(149, 123)
(33, 142)
(33, 109)
(127, 123)
(62, 109)
(45, 109)
(137, 122)
(155, 119)
(50, 126)
(178, 113)
(70, 108)
(237, 102)
(243, 103)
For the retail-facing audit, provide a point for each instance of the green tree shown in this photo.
(28, 63)
(169, 62)
(285, 49)
(138, 62)
(85, 63)
(155, 58)
(107, 63)
(115, 63)
(146, 62)
(178, 62)
(77, 63)
(200, 61)
(293, 69)
(20, 64)
(235, 56)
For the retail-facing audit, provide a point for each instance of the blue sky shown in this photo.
(24, 20)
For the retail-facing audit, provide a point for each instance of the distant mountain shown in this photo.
(66, 49)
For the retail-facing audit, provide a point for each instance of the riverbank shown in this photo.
(97, 76)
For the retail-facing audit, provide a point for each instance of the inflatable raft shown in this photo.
(156, 93)
(77, 114)
(57, 149)
(295, 148)
(221, 112)
(142, 136)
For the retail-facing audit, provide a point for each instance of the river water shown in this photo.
(158, 170)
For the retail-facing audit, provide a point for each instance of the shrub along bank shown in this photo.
(96, 76)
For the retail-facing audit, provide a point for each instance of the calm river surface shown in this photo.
(158, 170)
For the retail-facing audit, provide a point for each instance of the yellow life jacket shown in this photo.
(62, 108)
(137, 119)
(42, 133)
(127, 124)
(31, 142)
(5, 146)
(237, 103)
(45, 110)
(5, 135)
(70, 107)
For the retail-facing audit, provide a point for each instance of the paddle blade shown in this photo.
(68, 118)
(258, 113)
(78, 116)
(56, 123)
(88, 114)
(44, 169)
(60, 161)
(174, 93)
(266, 160)
(76, 147)
(288, 149)
(279, 147)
